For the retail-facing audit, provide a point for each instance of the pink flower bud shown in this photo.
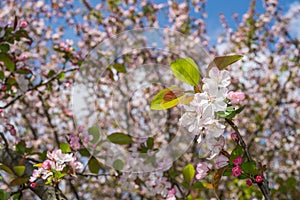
(46, 164)
(238, 161)
(23, 24)
(259, 178)
(1, 111)
(249, 182)
(68, 49)
(234, 136)
(24, 57)
(33, 185)
(235, 97)
(236, 171)
(3, 87)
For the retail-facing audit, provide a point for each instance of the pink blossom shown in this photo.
(202, 170)
(249, 182)
(221, 161)
(77, 166)
(46, 164)
(74, 142)
(3, 87)
(237, 161)
(234, 136)
(23, 24)
(235, 97)
(236, 171)
(35, 174)
(259, 178)
(171, 194)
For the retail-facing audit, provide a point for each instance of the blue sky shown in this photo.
(228, 7)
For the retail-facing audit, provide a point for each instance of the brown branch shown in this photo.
(45, 192)
(263, 186)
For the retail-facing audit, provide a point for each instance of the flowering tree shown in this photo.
(240, 113)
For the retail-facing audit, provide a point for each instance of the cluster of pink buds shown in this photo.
(236, 171)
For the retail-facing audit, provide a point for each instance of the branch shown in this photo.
(45, 192)
(263, 186)
(37, 86)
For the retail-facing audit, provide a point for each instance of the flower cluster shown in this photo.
(56, 166)
(236, 171)
(200, 115)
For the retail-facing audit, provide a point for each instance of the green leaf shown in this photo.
(186, 70)
(4, 195)
(22, 34)
(95, 132)
(61, 76)
(240, 109)
(249, 168)
(11, 81)
(237, 152)
(65, 147)
(150, 142)
(2, 76)
(23, 70)
(242, 176)
(167, 98)
(21, 147)
(18, 181)
(19, 170)
(8, 62)
(6, 169)
(84, 152)
(94, 165)
(118, 164)
(119, 67)
(51, 73)
(119, 138)
(188, 173)
(58, 174)
(223, 61)
(4, 48)
(227, 172)
(198, 185)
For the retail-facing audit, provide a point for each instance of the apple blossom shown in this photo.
(202, 170)
(221, 161)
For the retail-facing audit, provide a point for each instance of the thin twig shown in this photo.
(5, 140)
(37, 86)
